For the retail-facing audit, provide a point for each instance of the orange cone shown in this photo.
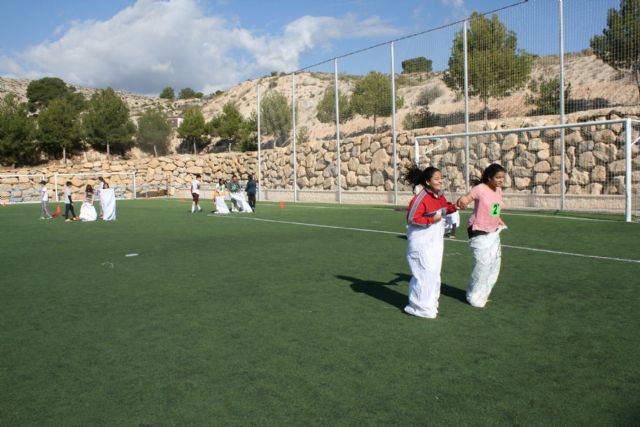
(281, 204)
(4, 203)
(58, 209)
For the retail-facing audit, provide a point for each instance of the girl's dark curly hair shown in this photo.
(489, 172)
(414, 175)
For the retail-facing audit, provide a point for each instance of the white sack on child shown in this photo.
(88, 212)
(108, 203)
(241, 202)
(221, 206)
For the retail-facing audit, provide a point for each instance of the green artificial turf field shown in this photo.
(259, 319)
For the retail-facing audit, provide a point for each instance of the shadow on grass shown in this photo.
(382, 292)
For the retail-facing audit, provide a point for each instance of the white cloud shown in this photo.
(155, 43)
(458, 4)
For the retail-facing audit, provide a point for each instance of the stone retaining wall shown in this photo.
(594, 158)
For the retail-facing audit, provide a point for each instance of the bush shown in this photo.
(417, 65)
(428, 95)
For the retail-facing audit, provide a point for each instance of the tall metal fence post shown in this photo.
(55, 183)
(259, 143)
(134, 185)
(293, 113)
(627, 177)
(562, 132)
(393, 126)
(466, 106)
(335, 77)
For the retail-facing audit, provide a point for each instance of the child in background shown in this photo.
(102, 184)
(425, 237)
(251, 189)
(221, 192)
(87, 211)
(44, 200)
(68, 203)
(451, 223)
(195, 195)
(484, 229)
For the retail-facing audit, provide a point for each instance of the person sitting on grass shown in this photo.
(221, 192)
(87, 211)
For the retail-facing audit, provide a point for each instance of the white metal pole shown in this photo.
(134, 185)
(627, 178)
(393, 126)
(259, 144)
(562, 147)
(335, 76)
(416, 150)
(293, 113)
(466, 106)
(55, 183)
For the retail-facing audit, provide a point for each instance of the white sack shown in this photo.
(108, 204)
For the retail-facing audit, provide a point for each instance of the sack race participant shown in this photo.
(108, 203)
(221, 191)
(238, 201)
(87, 211)
(484, 230)
(425, 238)
(451, 223)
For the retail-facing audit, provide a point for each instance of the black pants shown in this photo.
(69, 207)
(252, 200)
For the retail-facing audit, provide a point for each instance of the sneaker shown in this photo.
(67, 220)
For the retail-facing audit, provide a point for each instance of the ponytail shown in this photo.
(416, 176)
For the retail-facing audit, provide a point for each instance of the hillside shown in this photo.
(590, 79)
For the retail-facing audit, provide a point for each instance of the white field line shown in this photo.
(395, 233)
(390, 208)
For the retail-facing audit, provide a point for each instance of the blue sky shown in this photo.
(144, 45)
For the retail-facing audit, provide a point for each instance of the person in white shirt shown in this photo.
(195, 195)
(44, 200)
(68, 203)
(102, 184)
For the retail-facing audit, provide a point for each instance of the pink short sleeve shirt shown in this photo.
(486, 208)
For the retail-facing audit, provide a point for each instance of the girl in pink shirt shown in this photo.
(484, 229)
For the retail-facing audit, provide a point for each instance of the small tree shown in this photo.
(41, 92)
(168, 93)
(495, 65)
(16, 133)
(187, 93)
(372, 97)
(547, 96)
(276, 115)
(192, 129)
(326, 109)
(619, 44)
(59, 128)
(417, 65)
(106, 122)
(153, 132)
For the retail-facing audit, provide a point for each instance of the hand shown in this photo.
(461, 204)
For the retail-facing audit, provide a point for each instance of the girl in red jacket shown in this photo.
(425, 237)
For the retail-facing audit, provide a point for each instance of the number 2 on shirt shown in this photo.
(495, 210)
